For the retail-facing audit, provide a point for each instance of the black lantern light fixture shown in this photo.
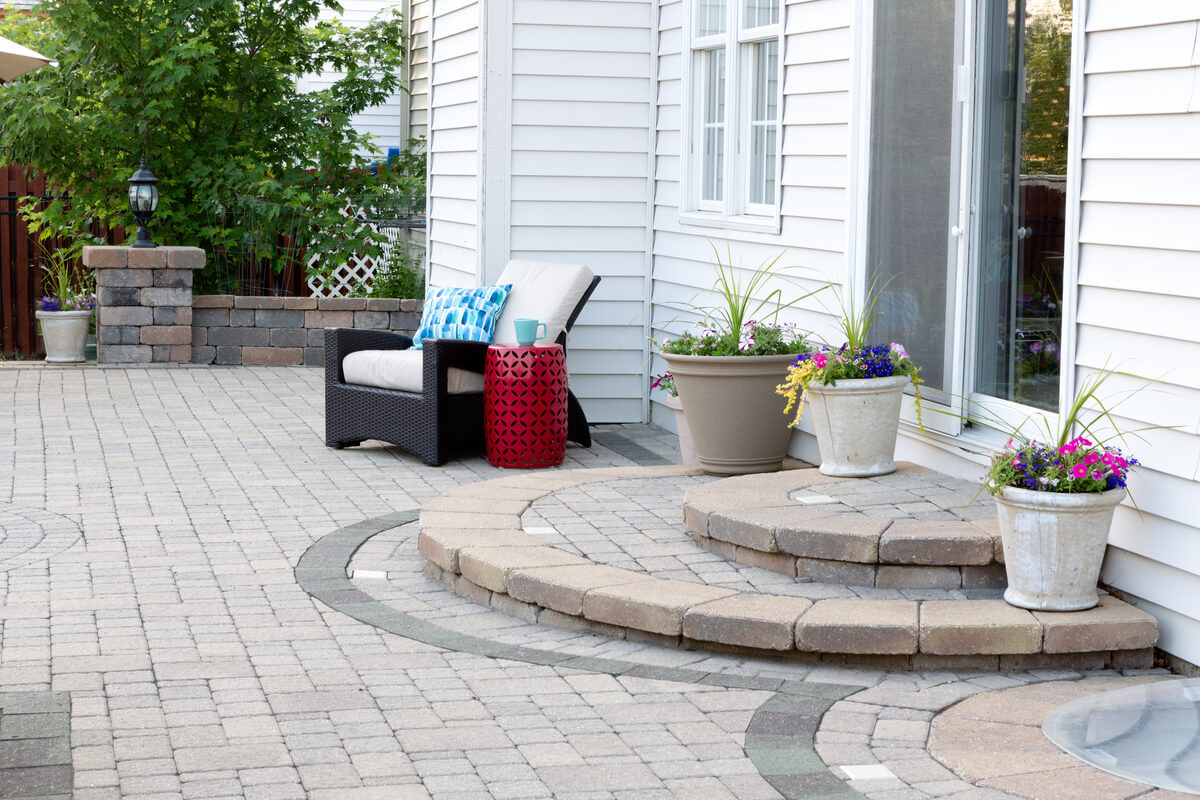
(143, 202)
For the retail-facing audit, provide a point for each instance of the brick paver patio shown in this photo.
(151, 525)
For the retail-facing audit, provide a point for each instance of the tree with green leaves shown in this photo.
(207, 91)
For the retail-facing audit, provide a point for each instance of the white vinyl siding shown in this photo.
(453, 211)
(418, 67)
(1139, 289)
(816, 50)
(578, 184)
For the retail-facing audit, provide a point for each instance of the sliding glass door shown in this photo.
(966, 206)
(1021, 111)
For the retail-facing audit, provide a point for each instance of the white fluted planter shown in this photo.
(735, 417)
(687, 448)
(64, 335)
(856, 421)
(1054, 545)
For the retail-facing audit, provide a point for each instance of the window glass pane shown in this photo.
(713, 124)
(909, 208)
(764, 120)
(1023, 209)
(710, 17)
(761, 12)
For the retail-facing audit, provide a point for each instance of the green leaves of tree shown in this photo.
(207, 89)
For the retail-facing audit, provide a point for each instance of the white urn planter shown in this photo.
(734, 415)
(1053, 546)
(687, 449)
(856, 421)
(64, 334)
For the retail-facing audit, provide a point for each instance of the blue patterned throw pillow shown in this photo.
(468, 314)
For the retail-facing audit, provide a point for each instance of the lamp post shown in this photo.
(143, 202)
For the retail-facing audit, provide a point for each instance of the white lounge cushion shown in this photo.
(543, 291)
(402, 370)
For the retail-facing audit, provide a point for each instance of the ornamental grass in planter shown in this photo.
(65, 311)
(726, 372)
(855, 394)
(1056, 501)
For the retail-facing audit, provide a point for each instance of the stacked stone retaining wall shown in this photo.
(284, 331)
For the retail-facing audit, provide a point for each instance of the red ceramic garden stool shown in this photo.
(525, 406)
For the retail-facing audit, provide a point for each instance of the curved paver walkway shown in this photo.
(779, 738)
(874, 739)
(475, 538)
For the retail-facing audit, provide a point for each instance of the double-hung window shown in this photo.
(732, 128)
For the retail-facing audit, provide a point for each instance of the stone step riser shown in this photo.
(485, 556)
(849, 573)
(1141, 658)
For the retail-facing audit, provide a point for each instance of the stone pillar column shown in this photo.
(143, 302)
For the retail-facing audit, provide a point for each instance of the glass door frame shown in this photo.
(948, 422)
(944, 418)
(997, 414)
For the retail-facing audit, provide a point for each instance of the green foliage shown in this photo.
(739, 305)
(207, 90)
(753, 339)
(65, 286)
(857, 319)
(1047, 85)
(401, 278)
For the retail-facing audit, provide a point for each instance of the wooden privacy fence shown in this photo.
(20, 276)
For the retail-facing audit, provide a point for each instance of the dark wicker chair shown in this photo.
(433, 424)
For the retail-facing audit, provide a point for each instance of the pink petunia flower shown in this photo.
(1097, 474)
(1079, 471)
(1091, 458)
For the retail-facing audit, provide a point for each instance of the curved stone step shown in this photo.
(907, 530)
(484, 555)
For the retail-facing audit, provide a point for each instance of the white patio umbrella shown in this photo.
(16, 60)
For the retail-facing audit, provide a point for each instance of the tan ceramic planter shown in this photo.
(856, 421)
(1054, 545)
(735, 417)
(687, 448)
(64, 334)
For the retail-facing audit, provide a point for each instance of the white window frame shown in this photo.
(734, 210)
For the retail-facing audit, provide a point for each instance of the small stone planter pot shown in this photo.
(64, 334)
(1053, 546)
(735, 417)
(687, 448)
(856, 421)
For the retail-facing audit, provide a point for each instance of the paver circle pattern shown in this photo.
(29, 535)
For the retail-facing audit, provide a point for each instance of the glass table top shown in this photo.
(1148, 733)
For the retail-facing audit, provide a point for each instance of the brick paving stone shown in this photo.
(657, 607)
(183, 635)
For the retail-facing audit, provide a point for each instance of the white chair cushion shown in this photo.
(542, 291)
(402, 370)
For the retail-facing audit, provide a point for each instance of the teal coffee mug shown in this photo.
(529, 331)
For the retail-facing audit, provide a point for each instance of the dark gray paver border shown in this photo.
(779, 739)
(35, 746)
(624, 446)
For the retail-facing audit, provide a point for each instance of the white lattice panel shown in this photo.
(357, 272)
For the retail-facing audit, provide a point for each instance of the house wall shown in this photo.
(454, 143)
(418, 67)
(1139, 288)
(578, 129)
(816, 147)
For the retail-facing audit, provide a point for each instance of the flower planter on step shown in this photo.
(733, 413)
(856, 421)
(1054, 544)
